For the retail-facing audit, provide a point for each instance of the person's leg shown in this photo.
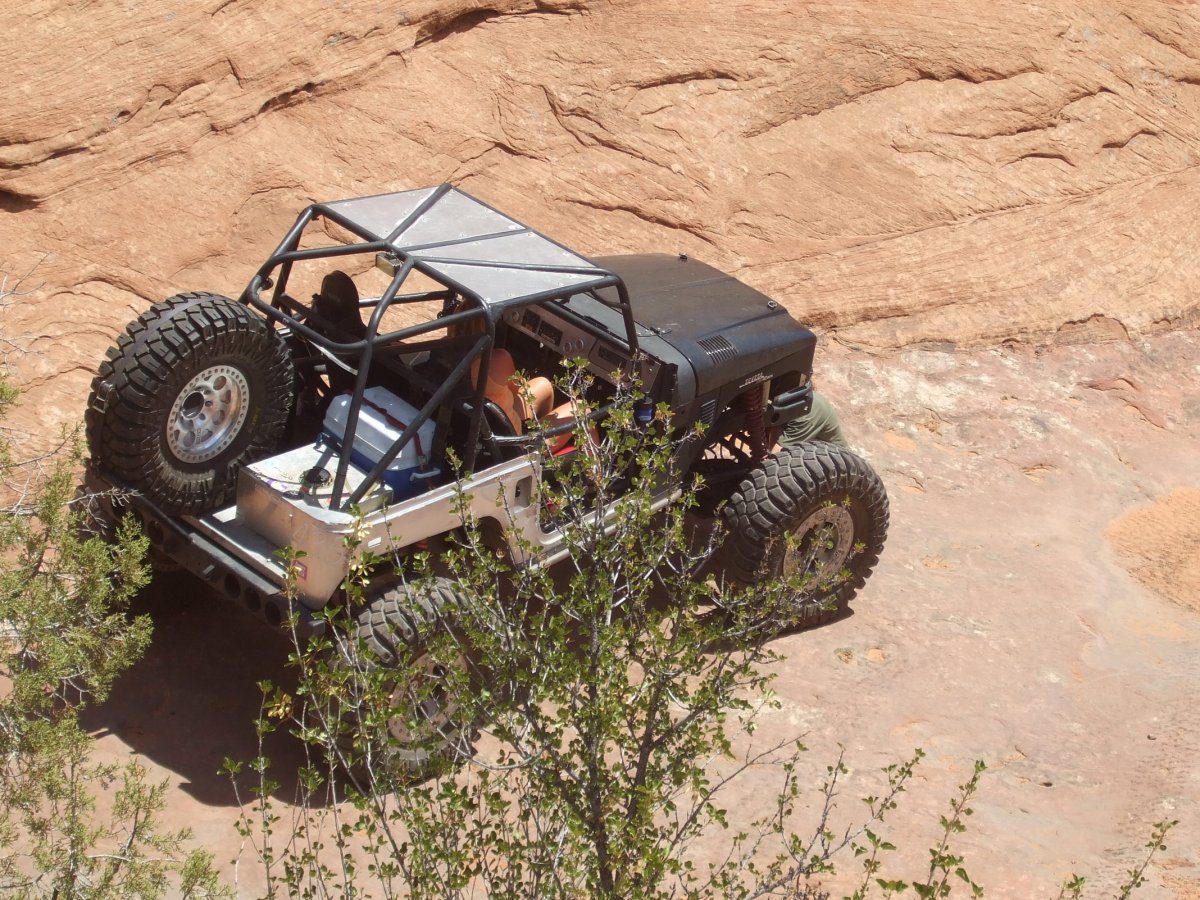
(821, 424)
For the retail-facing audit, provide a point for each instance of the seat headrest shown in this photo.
(338, 303)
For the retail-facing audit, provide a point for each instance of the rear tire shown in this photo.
(816, 512)
(197, 387)
(411, 628)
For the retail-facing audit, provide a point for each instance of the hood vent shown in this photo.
(718, 348)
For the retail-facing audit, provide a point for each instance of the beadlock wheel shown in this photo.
(194, 389)
(426, 707)
(408, 628)
(208, 414)
(815, 514)
(825, 543)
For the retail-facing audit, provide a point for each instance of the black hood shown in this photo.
(732, 334)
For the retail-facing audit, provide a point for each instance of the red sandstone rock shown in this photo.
(920, 172)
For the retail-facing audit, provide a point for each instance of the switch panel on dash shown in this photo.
(550, 333)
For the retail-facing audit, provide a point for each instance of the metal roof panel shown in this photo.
(454, 237)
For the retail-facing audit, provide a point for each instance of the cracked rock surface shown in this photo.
(987, 211)
(895, 173)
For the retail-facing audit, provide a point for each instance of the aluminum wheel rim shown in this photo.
(825, 542)
(208, 414)
(430, 705)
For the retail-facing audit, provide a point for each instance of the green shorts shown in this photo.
(821, 424)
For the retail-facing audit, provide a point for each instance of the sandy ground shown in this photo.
(1036, 607)
(1161, 545)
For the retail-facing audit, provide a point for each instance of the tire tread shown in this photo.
(131, 396)
(784, 489)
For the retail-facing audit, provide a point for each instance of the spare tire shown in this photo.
(814, 513)
(196, 387)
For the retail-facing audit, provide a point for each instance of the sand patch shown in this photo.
(1160, 545)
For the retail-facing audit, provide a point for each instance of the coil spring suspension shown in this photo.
(756, 424)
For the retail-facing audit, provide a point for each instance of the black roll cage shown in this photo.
(461, 304)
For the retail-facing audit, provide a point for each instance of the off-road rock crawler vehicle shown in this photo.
(237, 428)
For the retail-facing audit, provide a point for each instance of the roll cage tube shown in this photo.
(435, 402)
(360, 386)
(365, 351)
(478, 350)
(292, 315)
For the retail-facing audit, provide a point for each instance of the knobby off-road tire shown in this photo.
(814, 511)
(197, 387)
(411, 629)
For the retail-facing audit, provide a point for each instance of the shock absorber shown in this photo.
(756, 425)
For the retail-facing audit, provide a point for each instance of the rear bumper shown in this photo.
(176, 538)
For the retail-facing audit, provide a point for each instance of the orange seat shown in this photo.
(525, 399)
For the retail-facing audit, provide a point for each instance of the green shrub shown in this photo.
(65, 636)
(603, 689)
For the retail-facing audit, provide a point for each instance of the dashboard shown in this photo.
(573, 340)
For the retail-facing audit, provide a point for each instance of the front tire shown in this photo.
(197, 387)
(815, 514)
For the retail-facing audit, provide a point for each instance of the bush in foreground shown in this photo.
(69, 827)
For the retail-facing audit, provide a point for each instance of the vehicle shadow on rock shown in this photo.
(191, 702)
